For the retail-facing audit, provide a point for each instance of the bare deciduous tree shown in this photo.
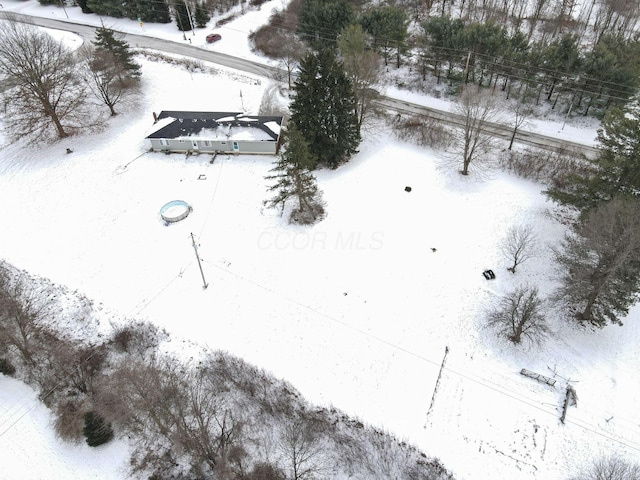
(44, 88)
(23, 311)
(175, 414)
(519, 316)
(363, 65)
(519, 245)
(106, 77)
(610, 468)
(292, 50)
(302, 450)
(521, 111)
(67, 367)
(476, 109)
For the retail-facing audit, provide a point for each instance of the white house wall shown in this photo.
(212, 146)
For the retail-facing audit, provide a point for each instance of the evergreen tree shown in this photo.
(106, 39)
(113, 8)
(96, 430)
(611, 73)
(616, 168)
(83, 6)
(324, 109)
(563, 61)
(388, 27)
(183, 20)
(516, 56)
(154, 11)
(320, 21)
(486, 42)
(443, 36)
(201, 15)
(600, 263)
(294, 180)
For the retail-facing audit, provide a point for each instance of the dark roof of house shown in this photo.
(191, 123)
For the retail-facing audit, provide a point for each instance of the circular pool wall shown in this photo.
(174, 211)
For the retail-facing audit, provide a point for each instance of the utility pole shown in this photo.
(184, 36)
(63, 8)
(435, 390)
(195, 249)
(193, 29)
(466, 69)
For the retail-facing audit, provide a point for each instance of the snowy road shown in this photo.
(192, 51)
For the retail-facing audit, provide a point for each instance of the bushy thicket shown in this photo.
(422, 130)
(542, 165)
(214, 416)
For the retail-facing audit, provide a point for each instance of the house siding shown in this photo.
(188, 143)
(244, 147)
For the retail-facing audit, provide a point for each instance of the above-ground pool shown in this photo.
(174, 211)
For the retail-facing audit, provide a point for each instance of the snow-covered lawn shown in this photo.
(355, 311)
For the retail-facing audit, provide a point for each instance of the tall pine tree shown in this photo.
(183, 20)
(201, 15)
(113, 8)
(156, 11)
(83, 6)
(324, 109)
(145, 10)
(616, 168)
(320, 21)
(599, 263)
(294, 180)
(107, 40)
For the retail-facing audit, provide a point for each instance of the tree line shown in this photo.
(187, 14)
(213, 416)
(579, 65)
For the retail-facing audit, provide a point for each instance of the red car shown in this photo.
(213, 37)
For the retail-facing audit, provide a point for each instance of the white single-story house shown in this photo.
(215, 132)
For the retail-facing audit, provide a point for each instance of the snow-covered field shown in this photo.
(355, 311)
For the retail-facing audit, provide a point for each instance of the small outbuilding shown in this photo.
(215, 132)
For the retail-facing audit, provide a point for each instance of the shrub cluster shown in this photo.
(422, 130)
(214, 416)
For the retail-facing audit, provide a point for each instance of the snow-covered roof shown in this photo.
(216, 126)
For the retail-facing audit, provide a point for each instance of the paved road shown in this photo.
(87, 32)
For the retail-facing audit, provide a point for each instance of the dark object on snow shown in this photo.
(489, 275)
(433, 249)
(407, 189)
(96, 430)
(213, 37)
(69, 150)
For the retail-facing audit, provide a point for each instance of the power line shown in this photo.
(481, 381)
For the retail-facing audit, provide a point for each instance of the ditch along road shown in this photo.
(502, 131)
